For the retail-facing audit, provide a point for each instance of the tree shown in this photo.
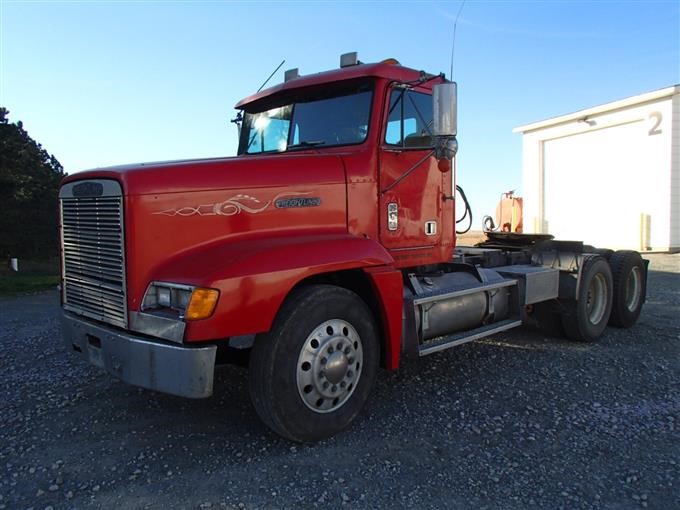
(29, 186)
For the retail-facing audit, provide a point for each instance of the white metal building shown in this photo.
(608, 175)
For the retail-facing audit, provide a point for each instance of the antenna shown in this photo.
(453, 43)
(283, 62)
(239, 116)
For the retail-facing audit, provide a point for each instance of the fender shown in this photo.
(388, 286)
(255, 276)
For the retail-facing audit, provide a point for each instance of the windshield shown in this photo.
(325, 119)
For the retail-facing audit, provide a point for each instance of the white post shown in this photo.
(14, 264)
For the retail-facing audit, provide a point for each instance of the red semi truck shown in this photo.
(324, 250)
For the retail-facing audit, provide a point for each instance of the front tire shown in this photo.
(586, 318)
(313, 372)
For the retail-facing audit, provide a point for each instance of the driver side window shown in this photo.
(409, 122)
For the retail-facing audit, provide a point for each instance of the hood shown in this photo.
(273, 170)
(174, 209)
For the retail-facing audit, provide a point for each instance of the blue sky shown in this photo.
(107, 82)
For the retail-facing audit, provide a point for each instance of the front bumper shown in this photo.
(184, 371)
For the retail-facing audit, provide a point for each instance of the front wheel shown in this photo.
(586, 318)
(312, 373)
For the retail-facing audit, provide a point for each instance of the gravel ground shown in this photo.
(518, 420)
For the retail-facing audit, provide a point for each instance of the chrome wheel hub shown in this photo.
(336, 367)
(329, 366)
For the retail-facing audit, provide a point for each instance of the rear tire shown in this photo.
(312, 373)
(628, 270)
(586, 318)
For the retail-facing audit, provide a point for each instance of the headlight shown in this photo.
(164, 296)
(181, 301)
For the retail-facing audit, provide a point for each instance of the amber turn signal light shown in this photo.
(202, 304)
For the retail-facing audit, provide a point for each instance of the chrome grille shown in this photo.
(92, 237)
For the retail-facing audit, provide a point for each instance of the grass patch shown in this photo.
(26, 283)
(33, 276)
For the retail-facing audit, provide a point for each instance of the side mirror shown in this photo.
(238, 120)
(445, 125)
(445, 107)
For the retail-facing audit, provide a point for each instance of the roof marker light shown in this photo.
(291, 74)
(349, 59)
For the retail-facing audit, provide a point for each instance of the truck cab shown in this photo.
(325, 249)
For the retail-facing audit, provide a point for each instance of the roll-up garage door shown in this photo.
(592, 182)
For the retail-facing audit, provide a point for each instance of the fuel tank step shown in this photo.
(444, 342)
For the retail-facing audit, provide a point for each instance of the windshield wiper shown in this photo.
(306, 143)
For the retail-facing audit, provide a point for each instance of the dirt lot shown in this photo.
(518, 420)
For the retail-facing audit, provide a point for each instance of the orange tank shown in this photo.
(509, 213)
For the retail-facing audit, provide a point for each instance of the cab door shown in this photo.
(412, 211)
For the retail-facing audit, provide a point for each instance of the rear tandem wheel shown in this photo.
(585, 318)
(629, 273)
